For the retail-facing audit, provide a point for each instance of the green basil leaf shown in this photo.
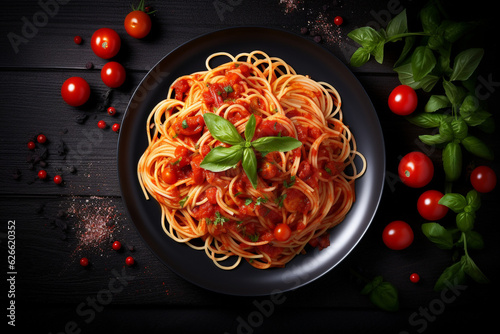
(477, 147)
(422, 62)
(273, 144)
(459, 128)
(360, 57)
(250, 128)
(367, 37)
(455, 202)
(409, 42)
(398, 25)
(434, 139)
(452, 31)
(465, 221)
(405, 75)
(469, 106)
(451, 276)
(473, 271)
(425, 120)
(452, 161)
(222, 130)
(437, 102)
(222, 158)
(474, 240)
(438, 235)
(430, 18)
(473, 200)
(385, 296)
(378, 52)
(466, 63)
(249, 164)
(487, 125)
(454, 93)
(478, 118)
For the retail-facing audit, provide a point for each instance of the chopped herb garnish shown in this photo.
(280, 200)
(177, 161)
(260, 200)
(254, 237)
(248, 201)
(228, 89)
(183, 201)
(238, 193)
(328, 170)
(184, 124)
(292, 182)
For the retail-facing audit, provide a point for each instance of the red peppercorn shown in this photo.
(116, 245)
(77, 40)
(111, 111)
(116, 127)
(84, 262)
(101, 124)
(42, 174)
(338, 20)
(414, 278)
(41, 139)
(58, 179)
(129, 261)
(31, 145)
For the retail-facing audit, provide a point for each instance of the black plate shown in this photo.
(307, 58)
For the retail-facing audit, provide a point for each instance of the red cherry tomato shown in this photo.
(105, 43)
(84, 262)
(338, 20)
(483, 179)
(75, 91)
(129, 261)
(397, 235)
(137, 24)
(282, 232)
(416, 169)
(403, 100)
(414, 278)
(113, 74)
(116, 245)
(428, 206)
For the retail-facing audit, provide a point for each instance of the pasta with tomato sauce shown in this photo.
(299, 194)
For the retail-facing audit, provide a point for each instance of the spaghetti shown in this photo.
(299, 195)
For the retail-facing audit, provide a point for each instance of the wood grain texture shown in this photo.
(53, 290)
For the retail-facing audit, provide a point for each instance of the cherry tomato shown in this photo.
(115, 127)
(113, 74)
(41, 138)
(101, 124)
(282, 232)
(403, 100)
(84, 262)
(414, 278)
(116, 245)
(111, 111)
(428, 206)
(77, 40)
(483, 179)
(105, 43)
(75, 91)
(338, 20)
(31, 145)
(42, 174)
(58, 179)
(397, 235)
(129, 261)
(416, 169)
(137, 24)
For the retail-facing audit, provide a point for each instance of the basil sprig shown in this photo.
(223, 158)
(461, 236)
(425, 60)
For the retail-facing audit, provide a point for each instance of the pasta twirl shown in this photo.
(309, 189)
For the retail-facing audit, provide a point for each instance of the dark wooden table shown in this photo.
(56, 225)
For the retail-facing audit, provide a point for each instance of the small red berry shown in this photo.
(31, 145)
(116, 127)
(77, 39)
(338, 20)
(129, 261)
(101, 125)
(58, 179)
(41, 139)
(84, 262)
(414, 278)
(42, 174)
(111, 111)
(117, 245)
